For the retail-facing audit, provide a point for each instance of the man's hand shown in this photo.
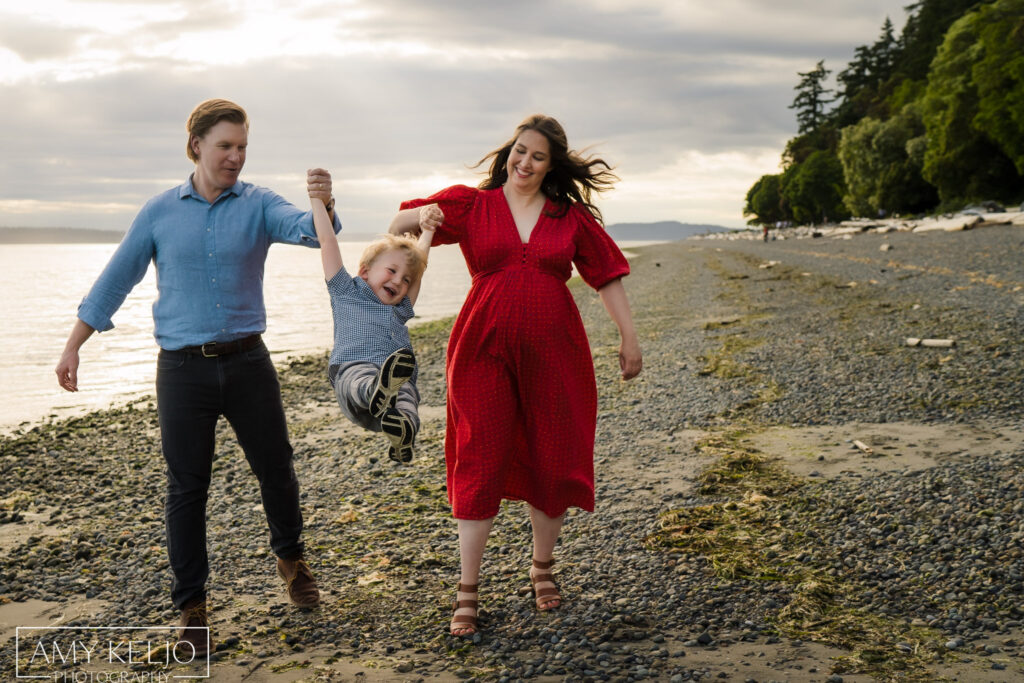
(67, 371)
(318, 184)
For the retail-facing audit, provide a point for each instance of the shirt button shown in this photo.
(211, 253)
(213, 279)
(218, 305)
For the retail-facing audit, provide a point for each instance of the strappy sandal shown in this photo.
(544, 596)
(464, 622)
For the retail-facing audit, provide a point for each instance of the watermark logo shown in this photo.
(106, 654)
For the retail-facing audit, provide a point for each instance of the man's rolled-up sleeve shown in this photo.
(125, 269)
(288, 224)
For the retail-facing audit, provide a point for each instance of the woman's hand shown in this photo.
(613, 296)
(431, 217)
(630, 359)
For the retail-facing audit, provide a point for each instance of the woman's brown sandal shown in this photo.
(547, 594)
(464, 622)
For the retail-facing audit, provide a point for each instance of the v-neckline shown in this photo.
(512, 218)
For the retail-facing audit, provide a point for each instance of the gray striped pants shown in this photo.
(353, 385)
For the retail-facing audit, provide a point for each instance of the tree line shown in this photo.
(929, 121)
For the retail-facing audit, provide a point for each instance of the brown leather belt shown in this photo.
(214, 349)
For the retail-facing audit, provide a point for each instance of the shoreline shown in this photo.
(769, 361)
(119, 367)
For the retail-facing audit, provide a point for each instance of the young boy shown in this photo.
(372, 367)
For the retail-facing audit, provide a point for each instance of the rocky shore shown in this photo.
(788, 492)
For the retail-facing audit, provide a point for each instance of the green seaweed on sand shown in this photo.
(722, 362)
(741, 470)
(290, 666)
(762, 528)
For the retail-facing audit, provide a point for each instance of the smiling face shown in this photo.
(220, 156)
(529, 160)
(389, 276)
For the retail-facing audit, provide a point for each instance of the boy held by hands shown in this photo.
(372, 367)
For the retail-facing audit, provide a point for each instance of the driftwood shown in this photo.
(863, 446)
(958, 222)
(936, 343)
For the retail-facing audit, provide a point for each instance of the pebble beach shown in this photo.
(788, 492)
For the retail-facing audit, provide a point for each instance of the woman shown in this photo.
(522, 399)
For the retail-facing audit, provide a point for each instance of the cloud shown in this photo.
(395, 94)
(33, 40)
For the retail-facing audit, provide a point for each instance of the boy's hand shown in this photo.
(318, 184)
(431, 217)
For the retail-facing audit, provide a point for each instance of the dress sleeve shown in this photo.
(598, 259)
(457, 203)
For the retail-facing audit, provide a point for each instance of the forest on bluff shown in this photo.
(930, 121)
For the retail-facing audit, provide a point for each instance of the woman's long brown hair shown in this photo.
(572, 178)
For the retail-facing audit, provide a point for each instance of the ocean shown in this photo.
(41, 286)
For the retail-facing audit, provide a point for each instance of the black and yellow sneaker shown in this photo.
(400, 432)
(397, 369)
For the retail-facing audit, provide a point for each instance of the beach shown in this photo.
(788, 492)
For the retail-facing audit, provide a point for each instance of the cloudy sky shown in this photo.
(398, 98)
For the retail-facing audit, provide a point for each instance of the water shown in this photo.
(41, 286)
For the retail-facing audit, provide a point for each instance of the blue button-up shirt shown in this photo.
(209, 262)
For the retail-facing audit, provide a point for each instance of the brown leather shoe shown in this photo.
(194, 627)
(300, 583)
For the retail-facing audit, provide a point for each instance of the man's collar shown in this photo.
(187, 189)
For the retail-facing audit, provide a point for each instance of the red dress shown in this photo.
(522, 400)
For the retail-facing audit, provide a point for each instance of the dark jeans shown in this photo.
(192, 393)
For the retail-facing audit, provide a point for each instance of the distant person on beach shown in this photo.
(522, 397)
(208, 239)
(372, 367)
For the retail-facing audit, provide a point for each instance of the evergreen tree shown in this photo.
(924, 31)
(883, 55)
(935, 115)
(812, 96)
(856, 77)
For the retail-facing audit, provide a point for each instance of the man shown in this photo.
(208, 239)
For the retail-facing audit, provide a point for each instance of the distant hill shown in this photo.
(662, 230)
(58, 236)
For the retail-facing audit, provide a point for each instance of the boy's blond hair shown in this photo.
(415, 258)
